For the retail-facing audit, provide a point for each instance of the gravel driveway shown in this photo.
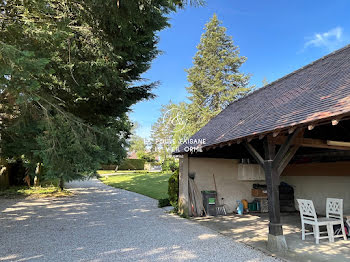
(101, 223)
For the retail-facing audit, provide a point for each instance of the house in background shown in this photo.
(295, 130)
(132, 155)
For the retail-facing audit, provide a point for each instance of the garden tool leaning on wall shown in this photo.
(220, 209)
(196, 201)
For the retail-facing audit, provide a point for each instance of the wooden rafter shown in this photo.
(284, 148)
(335, 122)
(254, 153)
(291, 130)
(316, 143)
(286, 159)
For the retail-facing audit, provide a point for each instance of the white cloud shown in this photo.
(331, 40)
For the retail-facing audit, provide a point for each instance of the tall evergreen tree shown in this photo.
(215, 82)
(69, 70)
(215, 77)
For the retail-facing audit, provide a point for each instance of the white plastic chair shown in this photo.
(334, 211)
(308, 216)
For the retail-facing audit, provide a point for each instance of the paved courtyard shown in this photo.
(101, 223)
(253, 230)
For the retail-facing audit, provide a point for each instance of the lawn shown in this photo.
(103, 172)
(154, 185)
(37, 192)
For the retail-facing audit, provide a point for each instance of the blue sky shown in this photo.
(277, 37)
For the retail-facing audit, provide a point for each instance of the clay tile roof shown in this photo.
(314, 92)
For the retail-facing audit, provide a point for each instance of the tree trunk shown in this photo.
(61, 184)
(26, 179)
(38, 171)
(36, 181)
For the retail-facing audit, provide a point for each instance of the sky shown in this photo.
(277, 37)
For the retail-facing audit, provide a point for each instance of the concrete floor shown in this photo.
(253, 230)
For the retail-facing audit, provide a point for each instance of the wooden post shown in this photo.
(273, 165)
(272, 182)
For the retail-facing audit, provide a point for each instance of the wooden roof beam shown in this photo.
(258, 158)
(290, 140)
(315, 143)
(338, 143)
(335, 122)
(291, 130)
(310, 127)
(275, 133)
(287, 158)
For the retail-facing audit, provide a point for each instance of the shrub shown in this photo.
(173, 189)
(164, 202)
(170, 165)
(16, 172)
(108, 167)
(132, 164)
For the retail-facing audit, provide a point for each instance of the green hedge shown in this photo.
(132, 164)
(108, 167)
(170, 165)
(163, 202)
(173, 189)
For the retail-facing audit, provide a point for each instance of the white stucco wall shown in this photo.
(317, 181)
(310, 181)
(228, 185)
(318, 188)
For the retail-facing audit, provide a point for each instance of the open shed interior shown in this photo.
(319, 169)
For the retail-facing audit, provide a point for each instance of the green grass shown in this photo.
(46, 191)
(102, 172)
(134, 171)
(154, 184)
